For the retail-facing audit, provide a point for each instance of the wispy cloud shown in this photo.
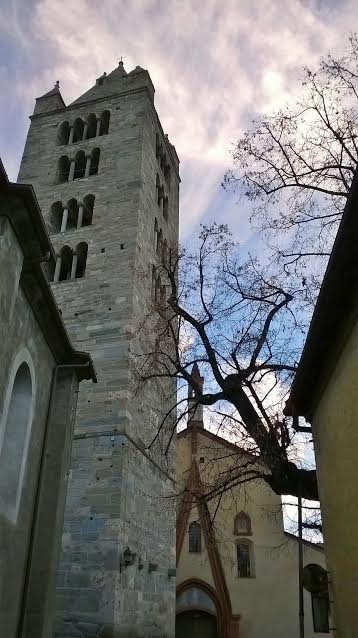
(214, 65)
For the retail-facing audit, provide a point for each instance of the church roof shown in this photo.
(106, 85)
(53, 92)
(215, 438)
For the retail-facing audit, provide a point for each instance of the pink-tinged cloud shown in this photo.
(215, 65)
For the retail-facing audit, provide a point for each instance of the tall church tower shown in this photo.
(107, 181)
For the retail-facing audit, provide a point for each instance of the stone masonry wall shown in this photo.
(117, 494)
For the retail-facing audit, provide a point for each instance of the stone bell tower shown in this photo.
(107, 181)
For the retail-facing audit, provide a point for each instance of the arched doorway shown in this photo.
(195, 624)
(198, 613)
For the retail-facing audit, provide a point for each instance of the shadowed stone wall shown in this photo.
(117, 493)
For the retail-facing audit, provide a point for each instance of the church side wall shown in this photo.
(21, 340)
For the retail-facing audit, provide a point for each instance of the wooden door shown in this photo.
(195, 624)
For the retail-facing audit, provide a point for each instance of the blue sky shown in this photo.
(215, 64)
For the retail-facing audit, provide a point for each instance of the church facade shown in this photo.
(107, 181)
(237, 569)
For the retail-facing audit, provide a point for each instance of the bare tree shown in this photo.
(221, 312)
(296, 167)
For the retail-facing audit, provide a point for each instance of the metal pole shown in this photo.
(301, 613)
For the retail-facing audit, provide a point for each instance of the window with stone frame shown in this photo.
(243, 559)
(242, 524)
(195, 538)
(320, 613)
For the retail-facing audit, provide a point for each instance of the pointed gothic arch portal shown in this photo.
(198, 611)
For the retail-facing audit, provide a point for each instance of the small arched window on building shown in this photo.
(159, 241)
(167, 172)
(164, 253)
(81, 252)
(195, 538)
(158, 147)
(66, 263)
(80, 165)
(242, 524)
(63, 169)
(92, 126)
(244, 559)
(165, 207)
(72, 207)
(63, 134)
(95, 161)
(78, 127)
(104, 123)
(88, 202)
(155, 234)
(157, 188)
(158, 290)
(320, 612)
(56, 214)
(15, 429)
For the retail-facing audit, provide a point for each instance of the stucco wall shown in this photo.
(335, 431)
(268, 601)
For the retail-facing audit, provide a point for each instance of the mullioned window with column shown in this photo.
(71, 263)
(81, 165)
(72, 215)
(82, 129)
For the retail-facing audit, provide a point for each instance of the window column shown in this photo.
(84, 136)
(57, 270)
(98, 126)
(80, 214)
(72, 130)
(64, 220)
(72, 170)
(88, 165)
(74, 266)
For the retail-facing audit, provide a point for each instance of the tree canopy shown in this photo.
(243, 320)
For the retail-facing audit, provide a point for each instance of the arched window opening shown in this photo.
(320, 612)
(167, 172)
(63, 169)
(95, 161)
(244, 559)
(15, 425)
(164, 252)
(160, 195)
(158, 148)
(153, 284)
(92, 126)
(104, 125)
(66, 263)
(63, 134)
(80, 165)
(165, 207)
(81, 252)
(159, 241)
(56, 213)
(157, 188)
(158, 290)
(242, 525)
(88, 203)
(195, 538)
(78, 127)
(72, 207)
(155, 234)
